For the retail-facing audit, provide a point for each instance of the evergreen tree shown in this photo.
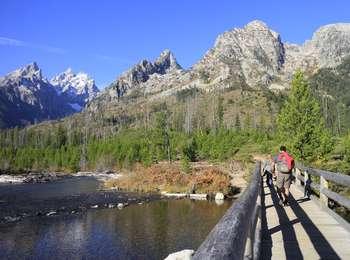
(346, 144)
(237, 122)
(220, 112)
(61, 136)
(162, 133)
(300, 123)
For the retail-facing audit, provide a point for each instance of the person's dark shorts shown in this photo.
(283, 180)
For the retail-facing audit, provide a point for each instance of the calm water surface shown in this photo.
(59, 188)
(147, 231)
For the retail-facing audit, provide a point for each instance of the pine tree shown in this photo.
(220, 112)
(61, 136)
(237, 122)
(300, 123)
(162, 133)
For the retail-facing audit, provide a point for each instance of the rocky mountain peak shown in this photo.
(167, 61)
(254, 53)
(68, 71)
(29, 98)
(165, 64)
(330, 44)
(79, 88)
(256, 24)
(30, 71)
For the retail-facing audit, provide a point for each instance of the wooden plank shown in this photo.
(302, 230)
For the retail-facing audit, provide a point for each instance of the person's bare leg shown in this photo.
(283, 190)
(280, 192)
(286, 192)
(286, 196)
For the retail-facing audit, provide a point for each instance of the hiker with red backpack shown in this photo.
(284, 165)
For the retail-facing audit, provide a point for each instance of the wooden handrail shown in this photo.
(336, 177)
(237, 234)
(325, 178)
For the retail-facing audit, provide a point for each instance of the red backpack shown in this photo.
(285, 162)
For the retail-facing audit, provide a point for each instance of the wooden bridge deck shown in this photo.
(302, 230)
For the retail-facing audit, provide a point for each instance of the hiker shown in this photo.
(284, 166)
(268, 169)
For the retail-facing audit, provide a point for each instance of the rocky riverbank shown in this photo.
(43, 177)
(141, 186)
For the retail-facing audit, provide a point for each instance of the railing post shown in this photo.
(323, 185)
(306, 177)
(297, 175)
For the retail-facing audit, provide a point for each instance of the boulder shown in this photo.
(219, 196)
(199, 196)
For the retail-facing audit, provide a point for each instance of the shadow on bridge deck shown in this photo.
(300, 231)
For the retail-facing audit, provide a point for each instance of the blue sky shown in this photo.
(104, 38)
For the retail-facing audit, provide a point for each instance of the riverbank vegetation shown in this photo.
(203, 178)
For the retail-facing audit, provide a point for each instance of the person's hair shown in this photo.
(283, 148)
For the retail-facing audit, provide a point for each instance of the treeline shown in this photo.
(133, 146)
(195, 127)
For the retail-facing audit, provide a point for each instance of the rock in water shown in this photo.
(51, 213)
(181, 255)
(11, 219)
(219, 196)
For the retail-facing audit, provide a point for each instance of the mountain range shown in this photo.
(26, 97)
(250, 58)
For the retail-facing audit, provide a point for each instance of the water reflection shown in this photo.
(63, 187)
(148, 231)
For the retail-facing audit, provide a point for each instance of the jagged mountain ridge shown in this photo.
(142, 72)
(78, 89)
(26, 97)
(253, 56)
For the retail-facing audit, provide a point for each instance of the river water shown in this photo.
(146, 231)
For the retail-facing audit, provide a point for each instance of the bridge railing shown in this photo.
(303, 177)
(238, 234)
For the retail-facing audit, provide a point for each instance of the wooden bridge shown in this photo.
(256, 227)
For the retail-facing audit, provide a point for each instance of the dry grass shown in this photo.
(169, 177)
